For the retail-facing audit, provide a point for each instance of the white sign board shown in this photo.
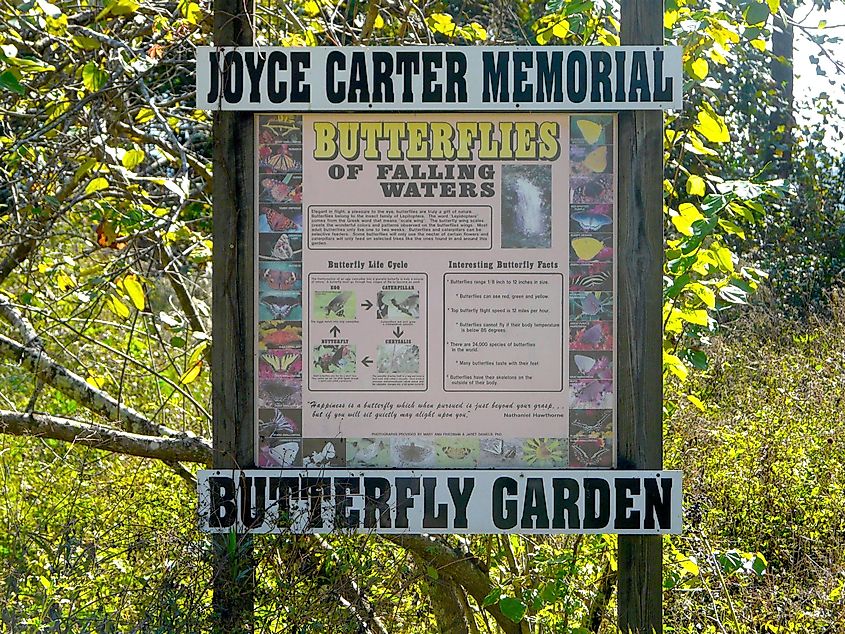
(438, 501)
(436, 291)
(436, 78)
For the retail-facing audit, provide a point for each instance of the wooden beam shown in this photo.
(233, 321)
(639, 335)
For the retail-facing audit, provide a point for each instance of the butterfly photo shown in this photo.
(590, 423)
(500, 452)
(591, 394)
(591, 247)
(279, 128)
(285, 247)
(276, 454)
(590, 452)
(281, 158)
(591, 365)
(411, 452)
(279, 334)
(281, 362)
(586, 160)
(596, 335)
(279, 423)
(591, 130)
(591, 217)
(323, 452)
(455, 451)
(595, 188)
(589, 306)
(367, 452)
(595, 276)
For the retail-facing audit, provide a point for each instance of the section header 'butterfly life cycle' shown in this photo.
(435, 293)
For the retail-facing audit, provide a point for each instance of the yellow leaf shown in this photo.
(724, 257)
(760, 45)
(695, 185)
(694, 316)
(96, 381)
(441, 23)
(378, 23)
(697, 402)
(687, 215)
(311, 8)
(132, 158)
(674, 365)
(191, 374)
(475, 32)
(133, 288)
(118, 307)
(712, 127)
(669, 19)
(561, 29)
(699, 68)
(97, 184)
(704, 293)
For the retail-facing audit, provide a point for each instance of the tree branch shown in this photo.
(74, 386)
(105, 438)
(461, 568)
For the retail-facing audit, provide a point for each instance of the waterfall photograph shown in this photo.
(526, 207)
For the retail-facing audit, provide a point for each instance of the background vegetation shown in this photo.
(104, 338)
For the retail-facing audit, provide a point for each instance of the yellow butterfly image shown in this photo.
(587, 248)
(590, 130)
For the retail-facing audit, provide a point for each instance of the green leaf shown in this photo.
(512, 608)
(757, 13)
(687, 214)
(724, 256)
(9, 82)
(93, 77)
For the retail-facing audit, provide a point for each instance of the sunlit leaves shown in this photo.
(757, 13)
(94, 77)
(712, 126)
(96, 185)
(699, 68)
(135, 290)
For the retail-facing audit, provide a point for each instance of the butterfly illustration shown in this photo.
(591, 221)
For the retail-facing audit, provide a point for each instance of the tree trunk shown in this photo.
(782, 118)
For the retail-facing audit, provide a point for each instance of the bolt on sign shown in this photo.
(435, 289)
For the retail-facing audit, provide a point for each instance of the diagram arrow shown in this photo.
(335, 331)
(367, 305)
(366, 361)
(398, 333)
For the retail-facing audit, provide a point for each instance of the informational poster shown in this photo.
(436, 290)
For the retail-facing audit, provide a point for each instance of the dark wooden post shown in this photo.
(640, 302)
(233, 308)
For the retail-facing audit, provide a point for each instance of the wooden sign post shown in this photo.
(640, 297)
(233, 320)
